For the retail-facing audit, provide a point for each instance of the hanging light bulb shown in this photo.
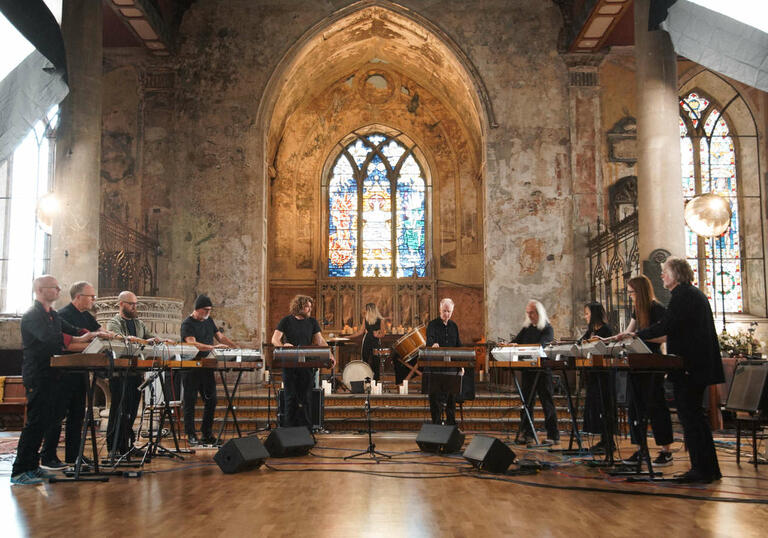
(708, 215)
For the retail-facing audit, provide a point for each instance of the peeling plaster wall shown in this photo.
(196, 149)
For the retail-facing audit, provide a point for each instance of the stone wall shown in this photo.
(184, 152)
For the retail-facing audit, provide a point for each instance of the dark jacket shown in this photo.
(41, 336)
(691, 334)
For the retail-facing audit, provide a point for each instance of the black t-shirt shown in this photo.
(83, 320)
(657, 312)
(531, 335)
(130, 325)
(298, 331)
(203, 331)
(603, 332)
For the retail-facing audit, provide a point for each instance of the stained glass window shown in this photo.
(709, 165)
(377, 177)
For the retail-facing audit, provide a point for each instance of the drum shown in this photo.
(356, 371)
(408, 346)
(383, 354)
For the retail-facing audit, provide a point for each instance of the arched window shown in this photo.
(709, 165)
(376, 210)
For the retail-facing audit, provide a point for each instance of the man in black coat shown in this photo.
(690, 330)
(443, 332)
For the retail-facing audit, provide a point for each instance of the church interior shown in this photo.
(496, 153)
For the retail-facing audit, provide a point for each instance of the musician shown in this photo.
(443, 332)
(124, 388)
(646, 311)
(537, 330)
(72, 386)
(372, 332)
(298, 329)
(598, 404)
(690, 331)
(200, 330)
(42, 332)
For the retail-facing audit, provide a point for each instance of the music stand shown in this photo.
(371, 450)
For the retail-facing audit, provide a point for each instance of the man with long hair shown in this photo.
(537, 330)
(690, 330)
(298, 329)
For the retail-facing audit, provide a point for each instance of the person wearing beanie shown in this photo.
(200, 330)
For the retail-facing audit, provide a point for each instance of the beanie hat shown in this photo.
(202, 301)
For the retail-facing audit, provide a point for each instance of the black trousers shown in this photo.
(298, 390)
(124, 438)
(41, 397)
(70, 404)
(544, 390)
(436, 401)
(698, 435)
(200, 382)
(646, 398)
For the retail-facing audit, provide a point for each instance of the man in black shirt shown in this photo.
(298, 329)
(443, 332)
(200, 330)
(537, 330)
(72, 386)
(41, 335)
(690, 330)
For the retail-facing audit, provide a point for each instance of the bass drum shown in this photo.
(408, 346)
(356, 371)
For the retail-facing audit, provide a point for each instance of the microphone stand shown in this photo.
(371, 450)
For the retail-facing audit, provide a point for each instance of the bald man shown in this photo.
(72, 386)
(126, 324)
(42, 332)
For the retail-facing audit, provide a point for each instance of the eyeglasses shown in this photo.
(130, 303)
(84, 295)
(50, 288)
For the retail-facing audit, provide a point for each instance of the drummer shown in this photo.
(372, 332)
(442, 332)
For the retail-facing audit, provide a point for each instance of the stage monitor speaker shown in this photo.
(440, 438)
(748, 388)
(289, 442)
(489, 454)
(243, 454)
(316, 405)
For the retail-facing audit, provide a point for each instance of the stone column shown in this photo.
(75, 239)
(659, 189)
(586, 160)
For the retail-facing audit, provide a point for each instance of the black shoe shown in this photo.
(192, 440)
(695, 477)
(664, 459)
(53, 465)
(524, 440)
(634, 459)
(210, 440)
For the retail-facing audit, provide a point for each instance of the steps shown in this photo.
(346, 412)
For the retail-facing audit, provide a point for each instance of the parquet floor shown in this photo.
(412, 495)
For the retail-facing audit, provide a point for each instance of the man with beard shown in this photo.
(200, 330)
(298, 329)
(125, 388)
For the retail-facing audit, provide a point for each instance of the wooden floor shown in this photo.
(413, 495)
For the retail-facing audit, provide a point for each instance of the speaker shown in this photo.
(243, 454)
(749, 391)
(316, 405)
(288, 442)
(489, 454)
(440, 438)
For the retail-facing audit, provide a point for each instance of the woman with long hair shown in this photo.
(372, 332)
(597, 402)
(646, 311)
